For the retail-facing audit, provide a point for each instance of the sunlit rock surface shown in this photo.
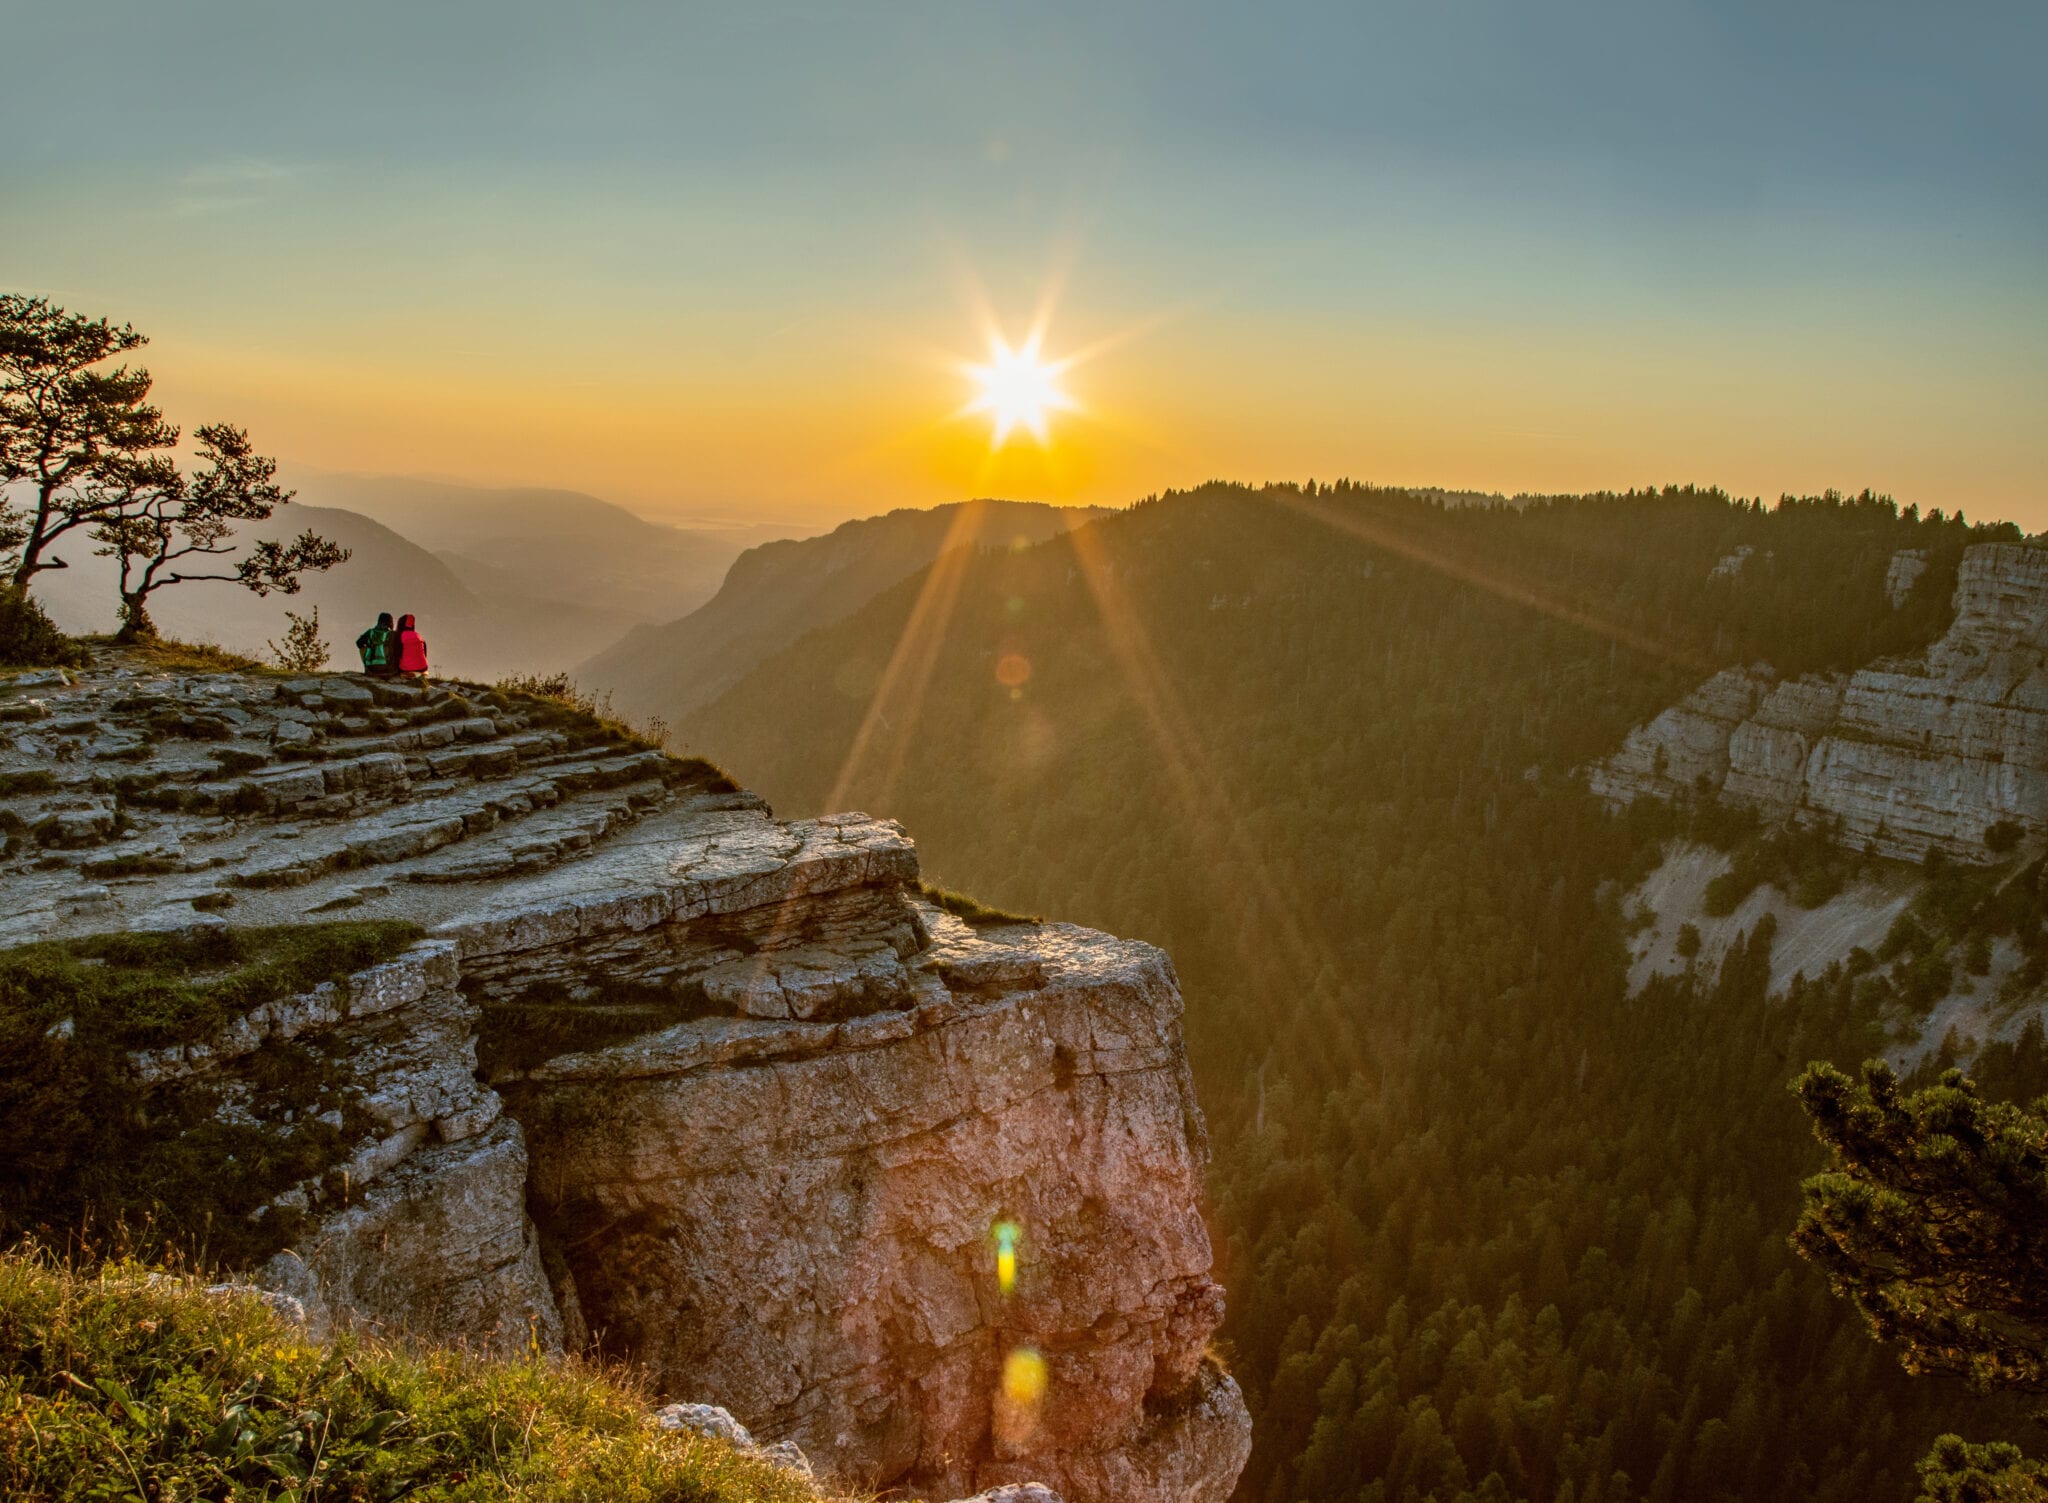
(798, 1218)
(1905, 756)
(716, 1093)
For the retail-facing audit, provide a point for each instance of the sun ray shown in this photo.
(880, 744)
(1494, 581)
(1228, 859)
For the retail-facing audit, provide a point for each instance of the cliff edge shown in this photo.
(720, 1095)
(1930, 753)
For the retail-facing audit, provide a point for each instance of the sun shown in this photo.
(1018, 388)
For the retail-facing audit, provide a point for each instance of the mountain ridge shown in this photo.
(776, 591)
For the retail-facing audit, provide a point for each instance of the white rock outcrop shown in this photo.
(1901, 756)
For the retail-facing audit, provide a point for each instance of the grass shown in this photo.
(33, 781)
(554, 701)
(167, 656)
(86, 1144)
(146, 990)
(970, 910)
(128, 1383)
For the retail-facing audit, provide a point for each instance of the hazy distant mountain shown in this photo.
(778, 591)
(545, 546)
(470, 634)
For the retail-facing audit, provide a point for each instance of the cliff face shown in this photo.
(1907, 756)
(721, 1095)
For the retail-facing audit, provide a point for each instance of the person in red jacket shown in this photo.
(412, 648)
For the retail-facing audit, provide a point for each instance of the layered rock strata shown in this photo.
(717, 1094)
(1905, 756)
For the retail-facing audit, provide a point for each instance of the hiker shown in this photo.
(412, 648)
(378, 646)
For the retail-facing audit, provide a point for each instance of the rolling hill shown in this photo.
(551, 548)
(776, 592)
(469, 635)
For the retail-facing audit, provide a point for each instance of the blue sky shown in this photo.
(700, 258)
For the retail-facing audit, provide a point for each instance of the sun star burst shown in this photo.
(1019, 388)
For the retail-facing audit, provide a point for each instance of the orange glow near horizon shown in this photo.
(828, 414)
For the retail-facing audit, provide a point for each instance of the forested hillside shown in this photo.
(1491, 1227)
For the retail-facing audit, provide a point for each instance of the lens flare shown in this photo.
(1006, 1255)
(1020, 1394)
(1024, 1378)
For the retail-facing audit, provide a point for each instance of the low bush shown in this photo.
(29, 638)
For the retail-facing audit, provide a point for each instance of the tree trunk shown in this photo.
(135, 622)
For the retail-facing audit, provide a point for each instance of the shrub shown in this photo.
(2003, 836)
(1725, 893)
(302, 651)
(29, 638)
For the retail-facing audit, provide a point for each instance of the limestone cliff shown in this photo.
(718, 1094)
(1904, 756)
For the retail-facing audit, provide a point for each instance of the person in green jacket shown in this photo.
(377, 645)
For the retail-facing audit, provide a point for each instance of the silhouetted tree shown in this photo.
(68, 429)
(168, 528)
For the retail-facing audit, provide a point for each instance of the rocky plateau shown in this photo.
(667, 1078)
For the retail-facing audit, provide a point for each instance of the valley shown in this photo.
(1503, 853)
(1481, 1169)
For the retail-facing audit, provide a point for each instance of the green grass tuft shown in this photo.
(149, 989)
(970, 910)
(129, 1383)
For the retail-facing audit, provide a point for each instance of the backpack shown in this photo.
(375, 646)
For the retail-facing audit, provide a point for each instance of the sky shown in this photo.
(728, 262)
